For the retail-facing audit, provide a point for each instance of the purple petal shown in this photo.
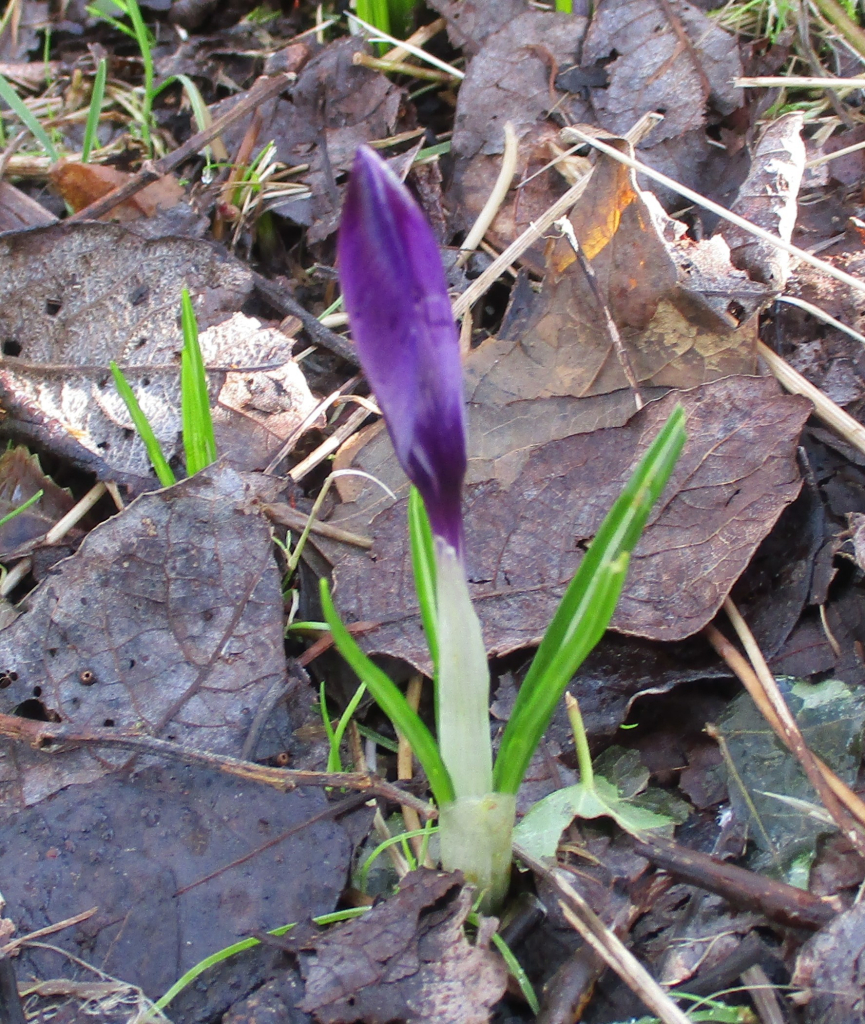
(396, 298)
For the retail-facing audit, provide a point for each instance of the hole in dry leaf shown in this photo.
(53, 306)
(145, 383)
(37, 691)
(109, 723)
(11, 347)
(35, 710)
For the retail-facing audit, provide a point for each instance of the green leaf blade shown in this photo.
(587, 606)
(391, 700)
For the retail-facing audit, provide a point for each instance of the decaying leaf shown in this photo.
(524, 542)
(407, 959)
(167, 619)
(72, 298)
(335, 106)
(511, 79)
(769, 198)
(137, 846)
(665, 56)
(830, 970)
(21, 477)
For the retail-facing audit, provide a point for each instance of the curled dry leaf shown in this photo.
(524, 542)
(168, 619)
(407, 959)
(72, 298)
(769, 198)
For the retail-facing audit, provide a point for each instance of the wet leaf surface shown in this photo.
(831, 717)
(168, 620)
(75, 297)
(135, 846)
(737, 473)
(406, 959)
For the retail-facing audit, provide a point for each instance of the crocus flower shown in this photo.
(395, 294)
(396, 297)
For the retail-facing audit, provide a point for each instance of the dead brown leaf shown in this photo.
(74, 297)
(769, 198)
(666, 57)
(525, 541)
(407, 959)
(168, 619)
(81, 184)
(511, 79)
(829, 968)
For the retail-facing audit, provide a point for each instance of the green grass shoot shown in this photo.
(164, 472)
(587, 606)
(96, 99)
(27, 118)
(199, 443)
(239, 947)
(22, 507)
(143, 38)
(334, 736)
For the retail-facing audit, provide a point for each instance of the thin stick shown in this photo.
(798, 82)
(378, 36)
(821, 314)
(826, 157)
(418, 38)
(496, 197)
(49, 929)
(733, 218)
(537, 229)
(59, 530)
(607, 945)
(513, 252)
(824, 408)
(328, 447)
(53, 738)
(263, 90)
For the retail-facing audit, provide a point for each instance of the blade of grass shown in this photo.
(96, 98)
(587, 607)
(391, 700)
(239, 947)
(27, 118)
(164, 472)
(143, 39)
(199, 442)
(21, 508)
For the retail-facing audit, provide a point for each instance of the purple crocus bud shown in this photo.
(396, 297)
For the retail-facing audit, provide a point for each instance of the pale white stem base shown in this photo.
(475, 835)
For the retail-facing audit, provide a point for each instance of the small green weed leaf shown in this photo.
(540, 830)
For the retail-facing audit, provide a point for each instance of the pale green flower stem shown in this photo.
(474, 830)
